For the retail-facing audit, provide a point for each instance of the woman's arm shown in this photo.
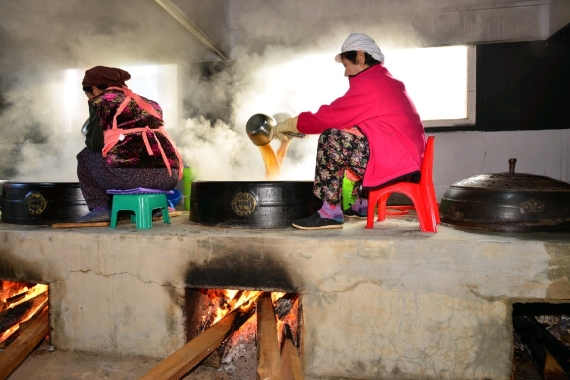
(356, 105)
(94, 137)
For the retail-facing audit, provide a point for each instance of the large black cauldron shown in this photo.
(269, 204)
(508, 202)
(39, 203)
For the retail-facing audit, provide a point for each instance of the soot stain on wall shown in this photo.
(14, 268)
(558, 276)
(240, 268)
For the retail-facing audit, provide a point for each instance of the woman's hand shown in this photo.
(283, 130)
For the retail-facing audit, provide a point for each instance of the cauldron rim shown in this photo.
(252, 182)
(8, 182)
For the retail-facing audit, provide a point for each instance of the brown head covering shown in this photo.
(108, 76)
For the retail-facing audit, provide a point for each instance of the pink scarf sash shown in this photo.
(113, 136)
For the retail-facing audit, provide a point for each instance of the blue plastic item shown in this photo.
(139, 190)
(173, 198)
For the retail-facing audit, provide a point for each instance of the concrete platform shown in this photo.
(392, 302)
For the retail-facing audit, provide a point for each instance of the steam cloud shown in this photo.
(41, 39)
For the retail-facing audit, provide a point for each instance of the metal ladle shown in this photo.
(258, 128)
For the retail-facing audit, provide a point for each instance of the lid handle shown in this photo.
(512, 163)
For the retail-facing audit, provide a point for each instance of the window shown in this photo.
(155, 82)
(439, 80)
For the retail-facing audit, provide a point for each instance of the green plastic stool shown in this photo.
(142, 205)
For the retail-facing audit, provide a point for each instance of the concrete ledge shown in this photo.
(385, 303)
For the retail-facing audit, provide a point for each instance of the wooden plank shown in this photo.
(172, 214)
(541, 343)
(80, 225)
(106, 224)
(290, 362)
(183, 360)
(268, 355)
(11, 317)
(552, 370)
(17, 352)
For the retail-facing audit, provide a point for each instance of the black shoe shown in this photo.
(354, 214)
(315, 222)
(101, 214)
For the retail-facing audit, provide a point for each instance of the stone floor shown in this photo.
(47, 363)
(44, 364)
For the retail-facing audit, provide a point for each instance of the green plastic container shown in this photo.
(187, 178)
(347, 198)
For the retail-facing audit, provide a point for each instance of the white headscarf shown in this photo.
(361, 41)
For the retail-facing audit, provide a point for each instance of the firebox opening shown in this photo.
(541, 333)
(20, 304)
(205, 308)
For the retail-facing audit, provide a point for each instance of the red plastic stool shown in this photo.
(421, 194)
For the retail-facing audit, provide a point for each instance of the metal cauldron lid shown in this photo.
(513, 182)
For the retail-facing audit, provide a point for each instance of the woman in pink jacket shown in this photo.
(373, 131)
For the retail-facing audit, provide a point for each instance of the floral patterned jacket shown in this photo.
(131, 150)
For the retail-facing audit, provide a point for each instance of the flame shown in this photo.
(30, 293)
(6, 334)
(237, 299)
(276, 295)
(225, 301)
(234, 303)
(12, 289)
(231, 293)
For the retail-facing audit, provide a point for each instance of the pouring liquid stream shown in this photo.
(272, 160)
(258, 128)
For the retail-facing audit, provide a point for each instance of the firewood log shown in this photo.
(268, 356)
(11, 317)
(17, 352)
(290, 362)
(540, 342)
(183, 360)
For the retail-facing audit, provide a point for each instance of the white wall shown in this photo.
(426, 22)
(458, 155)
(255, 23)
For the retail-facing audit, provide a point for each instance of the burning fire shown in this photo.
(231, 299)
(224, 301)
(228, 300)
(13, 294)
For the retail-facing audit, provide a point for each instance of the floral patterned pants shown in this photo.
(337, 151)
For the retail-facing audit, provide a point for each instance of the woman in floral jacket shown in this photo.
(126, 144)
